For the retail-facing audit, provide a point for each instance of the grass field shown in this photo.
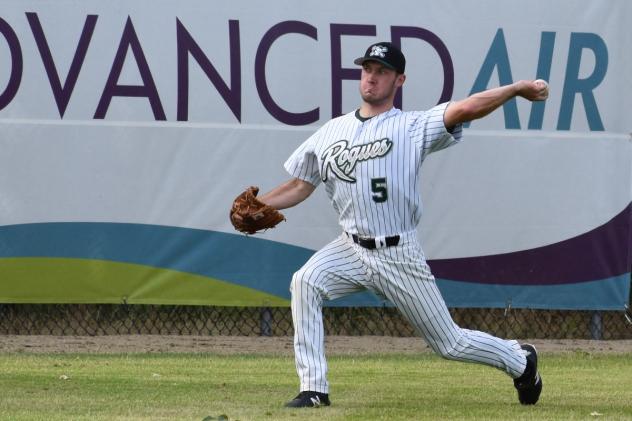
(172, 386)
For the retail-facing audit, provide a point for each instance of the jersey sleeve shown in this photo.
(429, 133)
(303, 163)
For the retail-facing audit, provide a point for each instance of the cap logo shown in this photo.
(378, 50)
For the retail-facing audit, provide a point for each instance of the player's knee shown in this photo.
(295, 284)
(447, 352)
(302, 283)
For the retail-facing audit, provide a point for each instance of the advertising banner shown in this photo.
(128, 127)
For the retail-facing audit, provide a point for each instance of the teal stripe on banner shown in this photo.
(594, 295)
(243, 260)
(268, 266)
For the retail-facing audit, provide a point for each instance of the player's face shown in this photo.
(379, 83)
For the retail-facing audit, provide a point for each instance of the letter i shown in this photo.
(547, 42)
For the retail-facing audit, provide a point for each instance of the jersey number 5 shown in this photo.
(378, 187)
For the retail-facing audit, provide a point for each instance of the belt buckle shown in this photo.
(367, 243)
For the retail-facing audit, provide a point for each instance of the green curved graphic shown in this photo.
(67, 280)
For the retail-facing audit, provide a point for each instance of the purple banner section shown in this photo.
(604, 252)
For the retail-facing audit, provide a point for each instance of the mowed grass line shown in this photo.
(175, 386)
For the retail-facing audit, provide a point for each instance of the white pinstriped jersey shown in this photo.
(370, 167)
(371, 170)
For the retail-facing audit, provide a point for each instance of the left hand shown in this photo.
(533, 90)
(249, 215)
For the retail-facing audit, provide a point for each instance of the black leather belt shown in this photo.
(373, 243)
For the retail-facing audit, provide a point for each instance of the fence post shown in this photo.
(506, 321)
(596, 326)
(266, 321)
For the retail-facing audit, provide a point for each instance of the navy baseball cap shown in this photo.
(387, 54)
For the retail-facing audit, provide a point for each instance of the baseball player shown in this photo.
(369, 161)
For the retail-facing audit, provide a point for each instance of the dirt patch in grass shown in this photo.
(336, 345)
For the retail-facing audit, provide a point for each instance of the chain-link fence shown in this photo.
(102, 319)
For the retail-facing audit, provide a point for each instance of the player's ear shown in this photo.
(401, 78)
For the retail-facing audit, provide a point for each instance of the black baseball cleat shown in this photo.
(529, 385)
(309, 399)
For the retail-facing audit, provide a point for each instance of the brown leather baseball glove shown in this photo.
(249, 215)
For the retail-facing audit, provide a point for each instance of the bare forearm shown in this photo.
(288, 194)
(478, 105)
(483, 103)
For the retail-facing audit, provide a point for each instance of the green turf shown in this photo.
(377, 387)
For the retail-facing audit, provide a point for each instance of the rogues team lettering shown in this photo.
(342, 160)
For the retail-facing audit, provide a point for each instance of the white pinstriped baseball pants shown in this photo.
(401, 275)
